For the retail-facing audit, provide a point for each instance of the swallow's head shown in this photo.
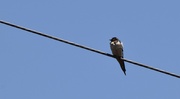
(114, 39)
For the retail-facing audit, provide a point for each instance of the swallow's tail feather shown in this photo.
(121, 62)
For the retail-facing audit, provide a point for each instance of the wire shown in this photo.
(150, 67)
(87, 48)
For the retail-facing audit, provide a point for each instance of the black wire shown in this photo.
(152, 68)
(87, 48)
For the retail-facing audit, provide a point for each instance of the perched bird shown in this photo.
(117, 50)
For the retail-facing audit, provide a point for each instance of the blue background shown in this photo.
(34, 67)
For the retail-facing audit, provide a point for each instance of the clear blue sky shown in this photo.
(34, 67)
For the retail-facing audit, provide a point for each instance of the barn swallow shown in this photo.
(117, 50)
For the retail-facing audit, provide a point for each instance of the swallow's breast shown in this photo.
(117, 49)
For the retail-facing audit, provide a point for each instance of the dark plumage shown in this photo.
(117, 51)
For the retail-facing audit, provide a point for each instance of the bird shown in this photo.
(117, 50)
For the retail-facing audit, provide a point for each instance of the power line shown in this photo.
(87, 48)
